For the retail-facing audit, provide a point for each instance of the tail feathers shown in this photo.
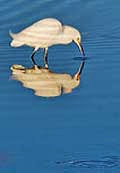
(15, 42)
(13, 35)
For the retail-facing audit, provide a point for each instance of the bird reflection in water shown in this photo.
(45, 82)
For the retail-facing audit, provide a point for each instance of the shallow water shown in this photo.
(77, 132)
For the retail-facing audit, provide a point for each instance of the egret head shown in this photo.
(71, 34)
(77, 40)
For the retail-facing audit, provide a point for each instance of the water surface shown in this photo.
(77, 132)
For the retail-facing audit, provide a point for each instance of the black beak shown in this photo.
(80, 46)
(78, 74)
(82, 49)
(81, 68)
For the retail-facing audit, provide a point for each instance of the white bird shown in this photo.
(44, 34)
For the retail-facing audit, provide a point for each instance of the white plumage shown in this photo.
(46, 33)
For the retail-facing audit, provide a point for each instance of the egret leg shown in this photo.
(46, 57)
(32, 57)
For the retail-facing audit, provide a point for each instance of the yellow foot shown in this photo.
(46, 66)
(36, 67)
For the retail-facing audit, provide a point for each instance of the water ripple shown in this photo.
(104, 162)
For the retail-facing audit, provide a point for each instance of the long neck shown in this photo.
(65, 36)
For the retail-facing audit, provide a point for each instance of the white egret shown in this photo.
(44, 34)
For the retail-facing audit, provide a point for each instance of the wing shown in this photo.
(43, 31)
(50, 25)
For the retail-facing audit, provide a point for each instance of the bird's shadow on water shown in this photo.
(44, 81)
(80, 58)
(103, 162)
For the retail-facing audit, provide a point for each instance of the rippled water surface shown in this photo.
(77, 132)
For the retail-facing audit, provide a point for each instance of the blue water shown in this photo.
(77, 132)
